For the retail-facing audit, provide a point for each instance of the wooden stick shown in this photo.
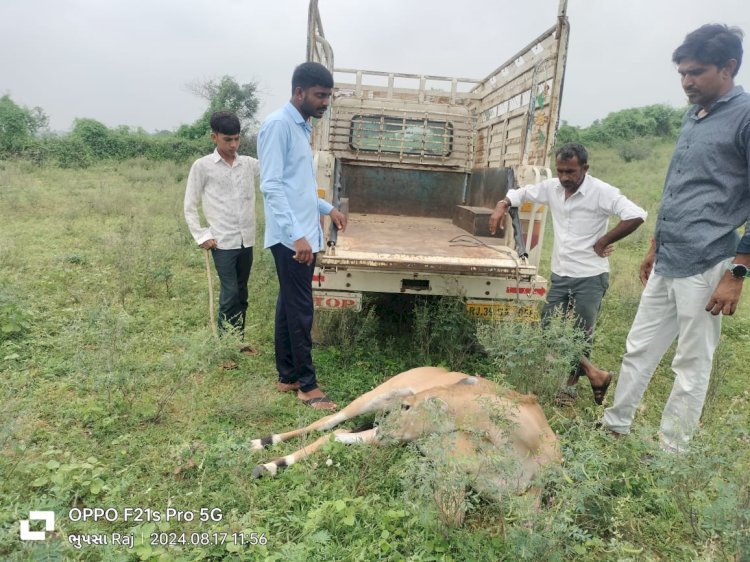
(211, 319)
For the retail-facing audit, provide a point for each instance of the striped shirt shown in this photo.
(707, 190)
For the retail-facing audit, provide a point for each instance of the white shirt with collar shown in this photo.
(227, 195)
(579, 221)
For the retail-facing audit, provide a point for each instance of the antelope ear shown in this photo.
(468, 380)
(437, 403)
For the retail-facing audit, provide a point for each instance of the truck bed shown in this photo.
(420, 244)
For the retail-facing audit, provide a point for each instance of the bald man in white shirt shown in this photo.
(580, 206)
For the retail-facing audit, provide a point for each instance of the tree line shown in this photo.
(631, 131)
(24, 131)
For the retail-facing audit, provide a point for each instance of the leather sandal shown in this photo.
(601, 391)
(287, 386)
(320, 403)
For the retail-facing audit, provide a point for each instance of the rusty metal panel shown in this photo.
(488, 185)
(529, 87)
(442, 88)
(395, 191)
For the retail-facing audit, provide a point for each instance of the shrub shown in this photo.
(658, 121)
(567, 133)
(534, 359)
(347, 330)
(18, 125)
(176, 148)
(442, 328)
(14, 322)
(96, 137)
(70, 152)
(638, 149)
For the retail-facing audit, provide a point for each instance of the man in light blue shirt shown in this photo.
(293, 232)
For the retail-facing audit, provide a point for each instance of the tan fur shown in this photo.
(467, 419)
(382, 398)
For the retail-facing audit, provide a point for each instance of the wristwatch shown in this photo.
(738, 270)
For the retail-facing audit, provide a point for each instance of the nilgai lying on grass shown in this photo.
(497, 439)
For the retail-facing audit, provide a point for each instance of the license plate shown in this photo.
(485, 310)
(336, 300)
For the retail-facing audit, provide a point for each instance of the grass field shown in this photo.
(114, 394)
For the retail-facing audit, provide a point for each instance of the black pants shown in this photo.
(294, 317)
(233, 267)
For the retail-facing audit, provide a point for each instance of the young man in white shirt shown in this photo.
(224, 184)
(580, 206)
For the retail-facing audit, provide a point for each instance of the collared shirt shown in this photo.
(707, 190)
(578, 221)
(227, 195)
(287, 180)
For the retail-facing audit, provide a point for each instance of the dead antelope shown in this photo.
(468, 420)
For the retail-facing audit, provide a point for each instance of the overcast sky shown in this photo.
(128, 62)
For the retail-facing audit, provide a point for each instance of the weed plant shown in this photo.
(443, 333)
(532, 358)
(14, 322)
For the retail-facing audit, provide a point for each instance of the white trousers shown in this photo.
(670, 308)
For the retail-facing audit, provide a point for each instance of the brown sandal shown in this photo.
(249, 350)
(287, 386)
(601, 391)
(320, 403)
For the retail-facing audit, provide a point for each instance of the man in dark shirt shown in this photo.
(695, 269)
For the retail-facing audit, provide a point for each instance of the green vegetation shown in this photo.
(224, 94)
(113, 393)
(549, 354)
(23, 132)
(656, 121)
(633, 132)
(18, 126)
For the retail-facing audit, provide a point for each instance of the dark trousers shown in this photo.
(581, 294)
(233, 267)
(294, 318)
